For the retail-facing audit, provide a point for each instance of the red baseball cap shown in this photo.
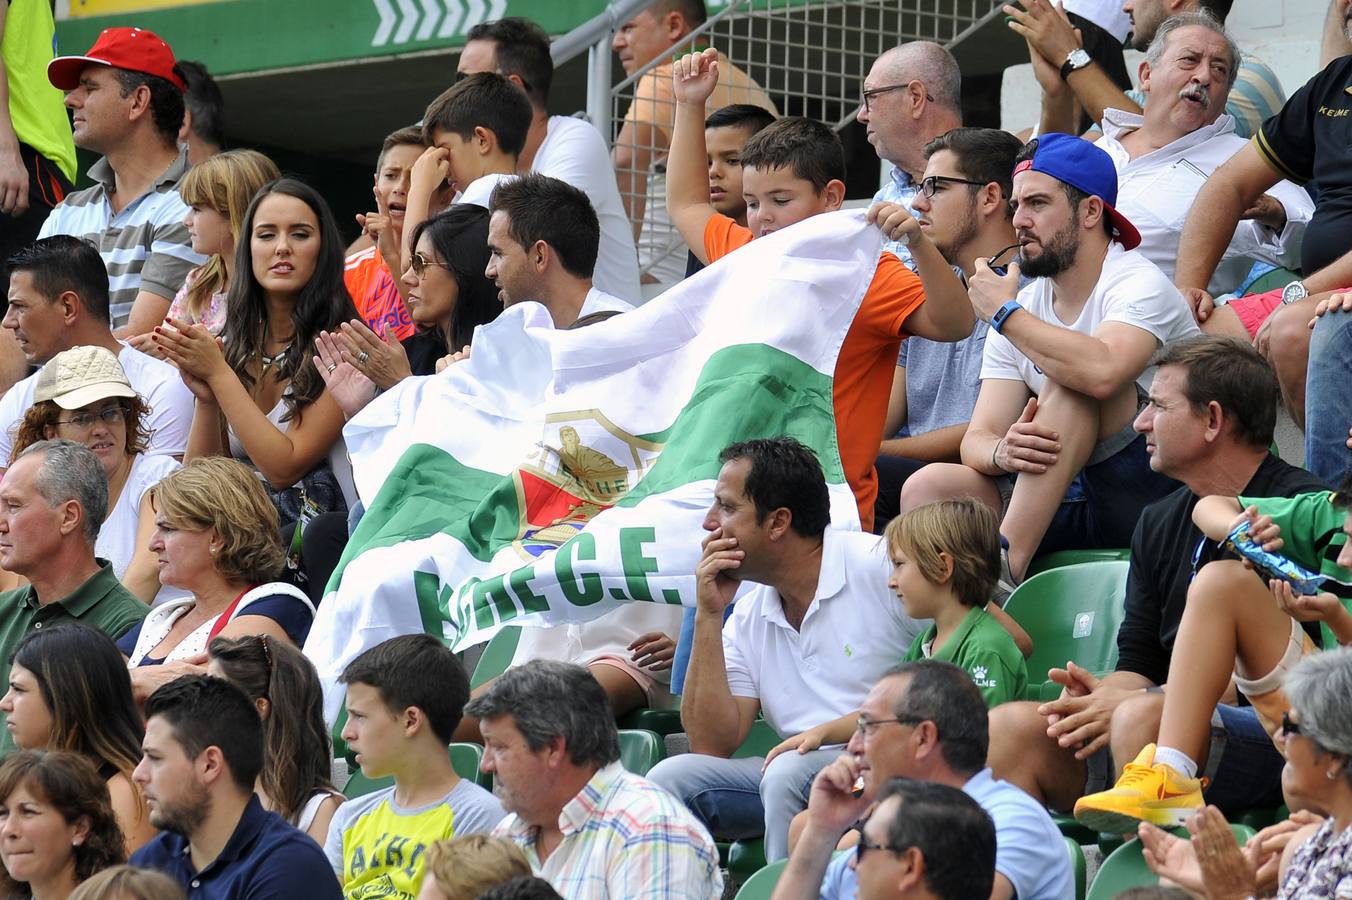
(133, 49)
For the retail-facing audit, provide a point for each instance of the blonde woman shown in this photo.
(464, 867)
(215, 537)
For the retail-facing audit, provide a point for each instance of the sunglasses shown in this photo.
(419, 264)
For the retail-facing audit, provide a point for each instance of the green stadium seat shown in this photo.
(1058, 558)
(465, 759)
(761, 884)
(1071, 613)
(1077, 865)
(662, 721)
(1126, 867)
(640, 750)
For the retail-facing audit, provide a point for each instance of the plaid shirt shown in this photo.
(624, 838)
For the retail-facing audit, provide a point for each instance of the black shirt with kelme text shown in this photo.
(1310, 139)
(1162, 549)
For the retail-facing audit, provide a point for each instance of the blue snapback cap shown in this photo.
(1085, 166)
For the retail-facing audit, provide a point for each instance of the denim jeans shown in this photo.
(1328, 400)
(735, 801)
(1249, 770)
(1105, 500)
(681, 661)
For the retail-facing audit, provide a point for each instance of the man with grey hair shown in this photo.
(589, 827)
(911, 95)
(1165, 155)
(52, 502)
(923, 720)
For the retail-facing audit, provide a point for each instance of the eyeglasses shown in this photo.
(865, 845)
(928, 186)
(1289, 727)
(109, 416)
(865, 726)
(419, 263)
(870, 93)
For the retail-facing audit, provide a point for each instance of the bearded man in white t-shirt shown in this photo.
(1063, 372)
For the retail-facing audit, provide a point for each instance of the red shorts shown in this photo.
(1254, 309)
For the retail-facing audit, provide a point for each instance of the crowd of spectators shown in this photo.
(1078, 338)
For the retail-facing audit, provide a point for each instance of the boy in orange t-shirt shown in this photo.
(791, 170)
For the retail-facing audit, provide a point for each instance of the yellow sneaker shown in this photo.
(1146, 792)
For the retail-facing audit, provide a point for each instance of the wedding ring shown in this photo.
(362, 357)
(332, 367)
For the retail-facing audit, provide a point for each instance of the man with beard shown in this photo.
(962, 211)
(203, 752)
(1063, 367)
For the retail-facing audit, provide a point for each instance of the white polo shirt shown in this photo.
(1156, 190)
(854, 630)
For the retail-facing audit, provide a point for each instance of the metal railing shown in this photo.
(810, 56)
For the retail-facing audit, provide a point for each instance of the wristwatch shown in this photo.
(1075, 60)
(1293, 292)
(1002, 314)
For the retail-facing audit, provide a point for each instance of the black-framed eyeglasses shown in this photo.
(930, 184)
(870, 93)
(109, 415)
(1289, 727)
(866, 845)
(419, 264)
(865, 726)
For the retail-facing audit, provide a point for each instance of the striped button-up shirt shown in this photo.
(624, 838)
(146, 246)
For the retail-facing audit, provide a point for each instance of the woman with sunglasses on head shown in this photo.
(259, 397)
(83, 395)
(69, 689)
(297, 752)
(448, 296)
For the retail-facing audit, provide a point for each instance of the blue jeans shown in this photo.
(1105, 500)
(1328, 400)
(681, 661)
(1249, 771)
(735, 801)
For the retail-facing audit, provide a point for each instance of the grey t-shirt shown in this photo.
(942, 381)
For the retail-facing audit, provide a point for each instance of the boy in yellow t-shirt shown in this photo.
(405, 698)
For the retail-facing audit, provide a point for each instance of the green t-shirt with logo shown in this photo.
(1312, 537)
(984, 650)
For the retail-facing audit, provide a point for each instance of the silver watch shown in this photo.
(1075, 60)
(1293, 292)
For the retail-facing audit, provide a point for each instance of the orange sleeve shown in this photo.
(722, 235)
(892, 296)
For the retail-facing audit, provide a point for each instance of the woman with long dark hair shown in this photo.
(297, 753)
(448, 296)
(69, 689)
(260, 398)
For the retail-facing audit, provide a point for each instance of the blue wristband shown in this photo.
(1003, 313)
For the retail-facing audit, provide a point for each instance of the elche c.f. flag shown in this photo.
(559, 473)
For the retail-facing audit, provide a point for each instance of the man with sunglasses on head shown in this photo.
(926, 721)
(961, 214)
